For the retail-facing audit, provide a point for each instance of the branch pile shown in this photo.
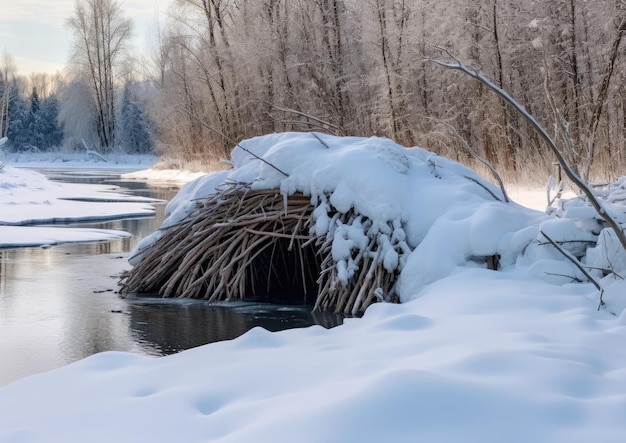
(241, 242)
(337, 219)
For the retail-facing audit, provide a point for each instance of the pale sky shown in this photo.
(34, 32)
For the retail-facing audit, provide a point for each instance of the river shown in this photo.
(60, 304)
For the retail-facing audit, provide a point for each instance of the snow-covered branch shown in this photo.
(576, 263)
(582, 185)
(323, 123)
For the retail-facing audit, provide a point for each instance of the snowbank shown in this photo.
(66, 160)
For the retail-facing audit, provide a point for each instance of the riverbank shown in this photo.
(476, 357)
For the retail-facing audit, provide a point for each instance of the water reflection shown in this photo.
(58, 305)
(157, 328)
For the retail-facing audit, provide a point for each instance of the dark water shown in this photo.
(60, 304)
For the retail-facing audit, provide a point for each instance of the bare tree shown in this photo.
(7, 90)
(42, 82)
(603, 92)
(101, 34)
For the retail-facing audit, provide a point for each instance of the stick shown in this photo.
(210, 128)
(320, 140)
(302, 114)
(576, 263)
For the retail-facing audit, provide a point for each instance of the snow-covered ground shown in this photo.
(520, 355)
(477, 357)
(79, 160)
(144, 167)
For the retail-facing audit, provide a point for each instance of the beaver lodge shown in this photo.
(301, 217)
(257, 243)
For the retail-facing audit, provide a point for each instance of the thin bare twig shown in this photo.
(472, 179)
(578, 264)
(324, 123)
(320, 140)
(212, 129)
(474, 154)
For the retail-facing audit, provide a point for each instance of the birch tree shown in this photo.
(101, 34)
(7, 90)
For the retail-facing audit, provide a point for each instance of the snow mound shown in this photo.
(419, 215)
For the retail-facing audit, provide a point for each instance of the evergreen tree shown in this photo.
(49, 127)
(33, 130)
(19, 121)
(34, 126)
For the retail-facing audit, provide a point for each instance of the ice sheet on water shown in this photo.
(28, 197)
